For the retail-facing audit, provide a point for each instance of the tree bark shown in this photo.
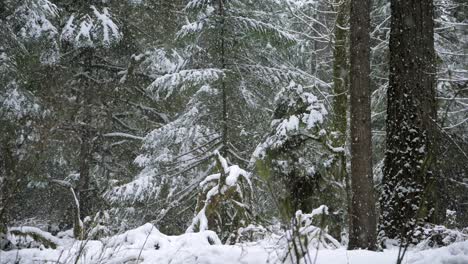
(362, 214)
(222, 65)
(86, 136)
(8, 175)
(340, 75)
(83, 183)
(411, 114)
(340, 110)
(6, 180)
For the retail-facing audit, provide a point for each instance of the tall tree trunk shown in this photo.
(362, 214)
(340, 108)
(411, 113)
(8, 175)
(340, 75)
(83, 183)
(82, 191)
(6, 179)
(222, 65)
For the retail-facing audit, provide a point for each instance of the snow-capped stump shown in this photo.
(307, 234)
(204, 238)
(434, 236)
(316, 236)
(223, 194)
(251, 233)
(148, 237)
(143, 237)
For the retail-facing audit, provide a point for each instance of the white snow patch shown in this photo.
(146, 245)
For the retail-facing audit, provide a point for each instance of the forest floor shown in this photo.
(146, 245)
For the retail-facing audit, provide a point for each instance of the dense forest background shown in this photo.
(220, 114)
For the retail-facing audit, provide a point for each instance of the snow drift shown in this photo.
(147, 245)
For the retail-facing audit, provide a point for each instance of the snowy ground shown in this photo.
(146, 245)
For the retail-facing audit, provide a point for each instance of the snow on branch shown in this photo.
(107, 24)
(282, 74)
(134, 190)
(170, 82)
(45, 238)
(203, 18)
(196, 4)
(35, 15)
(89, 30)
(190, 29)
(265, 29)
(176, 148)
(123, 135)
(17, 103)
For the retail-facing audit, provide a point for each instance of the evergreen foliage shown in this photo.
(227, 115)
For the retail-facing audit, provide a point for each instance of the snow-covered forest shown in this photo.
(234, 131)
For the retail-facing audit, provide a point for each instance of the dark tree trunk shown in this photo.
(340, 76)
(8, 175)
(86, 145)
(411, 113)
(340, 110)
(83, 183)
(222, 65)
(362, 214)
(7, 171)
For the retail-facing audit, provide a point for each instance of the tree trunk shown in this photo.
(411, 114)
(83, 183)
(222, 65)
(86, 136)
(8, 178)
(340, 110)
(340, 76)
(362, 214)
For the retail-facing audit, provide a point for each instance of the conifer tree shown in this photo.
(213, 82)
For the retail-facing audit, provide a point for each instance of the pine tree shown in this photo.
(219, 95)
(23, 24)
